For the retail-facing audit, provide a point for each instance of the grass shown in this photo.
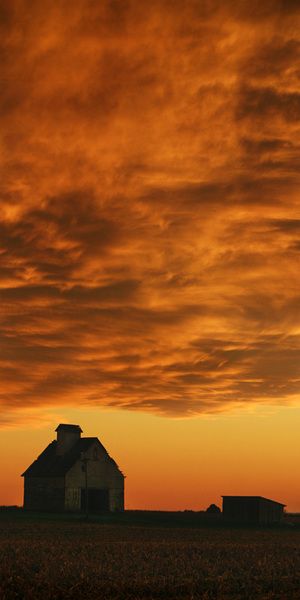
(59, 557)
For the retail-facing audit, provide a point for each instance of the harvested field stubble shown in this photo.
(64, 560)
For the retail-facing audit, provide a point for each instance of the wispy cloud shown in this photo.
(149, 234)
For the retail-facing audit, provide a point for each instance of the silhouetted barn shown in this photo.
(252, 510)
(71, 468)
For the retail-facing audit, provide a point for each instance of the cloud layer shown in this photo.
(150, 221)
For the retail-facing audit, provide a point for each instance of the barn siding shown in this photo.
(269, 512)
(44, 493)
(102, 473)
(252, 510)
(72, 498)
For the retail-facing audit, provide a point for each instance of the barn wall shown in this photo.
(252, 511)
(270, 512)
(72, 498)
(101, 474)
(244, 510)
(44, 493)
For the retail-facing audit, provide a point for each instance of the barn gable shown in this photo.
(51, 464)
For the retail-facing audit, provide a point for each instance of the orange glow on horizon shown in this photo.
(176, 464)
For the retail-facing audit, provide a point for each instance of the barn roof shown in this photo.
(49, 464)
(68, 427)
(254, 498)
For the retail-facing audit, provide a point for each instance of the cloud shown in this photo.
(149, 230)
(267, 102)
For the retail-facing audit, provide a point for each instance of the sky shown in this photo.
(149, 241)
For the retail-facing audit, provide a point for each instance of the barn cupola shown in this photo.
(67, 436)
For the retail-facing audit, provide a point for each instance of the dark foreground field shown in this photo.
(63, 559)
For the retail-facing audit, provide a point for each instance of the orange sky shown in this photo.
(149, 240)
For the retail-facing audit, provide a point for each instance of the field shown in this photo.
(53, 558)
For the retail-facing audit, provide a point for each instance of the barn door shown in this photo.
(98, 500)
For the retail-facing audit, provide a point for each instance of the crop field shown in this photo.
(64, 559)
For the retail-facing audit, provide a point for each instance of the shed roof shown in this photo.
(50, 464)
(254, 498)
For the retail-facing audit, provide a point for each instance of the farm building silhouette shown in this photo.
(252, 510)
(74, 473)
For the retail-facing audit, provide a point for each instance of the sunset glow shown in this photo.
(149, 242)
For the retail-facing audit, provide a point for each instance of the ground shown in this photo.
(52, 557)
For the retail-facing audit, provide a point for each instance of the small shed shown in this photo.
(252, 510)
